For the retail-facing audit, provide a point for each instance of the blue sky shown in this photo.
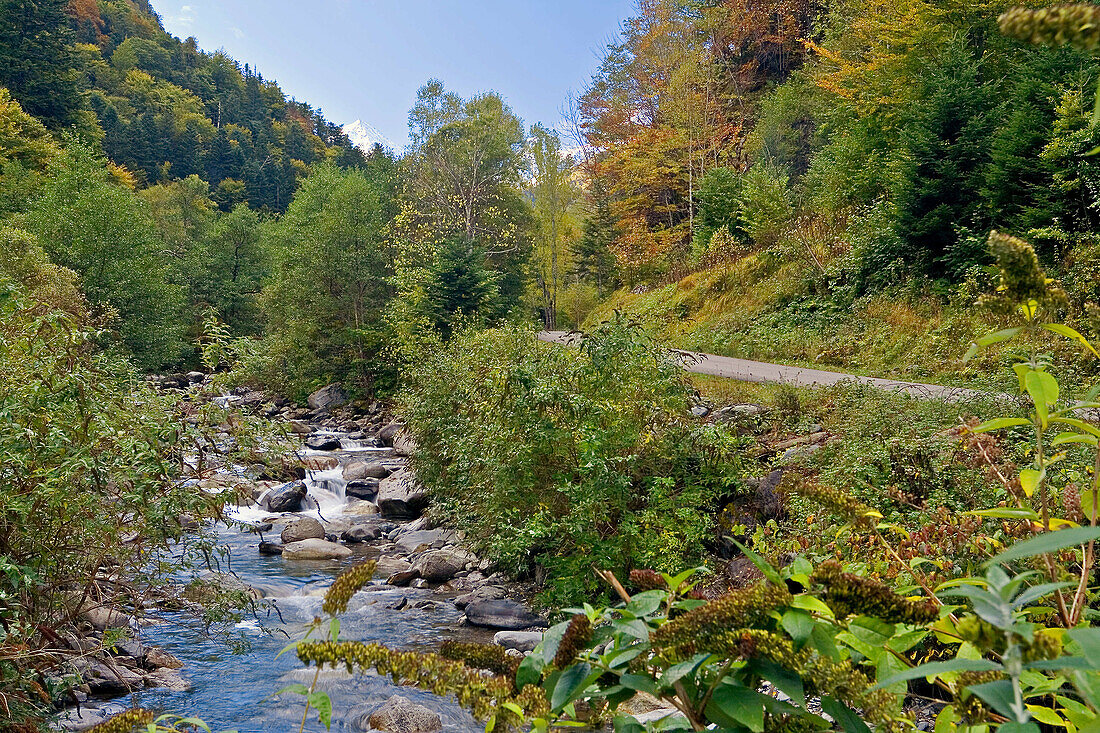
(366, 58)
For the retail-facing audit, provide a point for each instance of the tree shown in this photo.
(89, 223)
(554, 194)
(239, 265)
(330, 283)
(36, 59)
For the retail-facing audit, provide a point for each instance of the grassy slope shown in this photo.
(759, 309)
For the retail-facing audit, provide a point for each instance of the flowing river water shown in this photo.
(236, 690)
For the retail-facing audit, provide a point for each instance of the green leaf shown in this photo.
(841, 713)
(569, 684)
(1014, 727)
(529, 671)
(1030, 480)
(810, 603)
(298, 689)
(1065, 438)
(646, 603)
(1007, 513)
(1000, 423)
(1071, 334)
(798, 624)
(732, 706)
(763, 565)
(1089, 641)
(677, 672)
(639, 682)
(784, 680)
(934, 669)
(323, 705)
(334, 629)
(1079, 424)
(1043, 389)
(997, 694)
(1045, 543)
(988, 340)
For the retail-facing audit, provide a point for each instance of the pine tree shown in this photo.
(36, 59)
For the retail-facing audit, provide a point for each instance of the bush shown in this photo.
(557, 459)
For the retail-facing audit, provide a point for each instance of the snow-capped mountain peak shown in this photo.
(364, 136)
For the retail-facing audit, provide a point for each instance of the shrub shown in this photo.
(558, 458)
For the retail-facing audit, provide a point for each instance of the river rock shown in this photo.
(366, 469)
(402, 578)
(389, 433)
(410, 542)
(502, 614)
(300, 427)
(521, 641)
(285, 498)
(327, 397)
(158, 658)
(323, 441)
(403, 444)
(484, 593)
(401, 715)
(271, 548)
(401, 497)
(362, 488)
(361, 533)
(315, 549)
(360, 508)
(388, 565)
(320, 463)
(102, 617)
(306, 528)
(438, 566)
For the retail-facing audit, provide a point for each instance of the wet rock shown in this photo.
(399, 604)
(168, 678)
(438, 566)
(320, 463)
(81, 719)
(403, 444)
(110, 679)
(360, 533)
(285, 498)
(271, 548)
(410, 542)
(401, 497)
(328, 397)
(364, 488)
(521, 641)
(389, 433)
(402, 578)
(306, 528)
(360, 508)
(158, 658)
(502, 614)
(300, 427)
(323, 441)
(366, 469)
(484, 593)
(401, 715)
(314, 549)
(391, 565)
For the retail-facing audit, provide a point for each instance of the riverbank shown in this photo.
(284, 542)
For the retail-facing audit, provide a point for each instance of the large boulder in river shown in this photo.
(389, 433)
(323, 441)
(314, 549)
(521, 641)
(438, 566)
(366, 469)
(328, 397)
(401, 497)
(306, 528)
(363, 488)
(285, 498)
(400, 715)
(502, 614)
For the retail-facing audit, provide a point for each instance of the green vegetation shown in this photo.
(556, 460)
